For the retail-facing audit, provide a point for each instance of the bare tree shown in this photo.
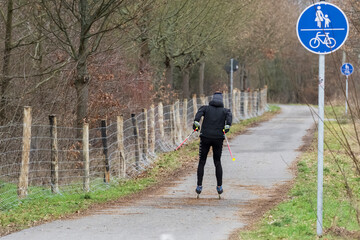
(186, 32)
(78, 28)
(12, 23)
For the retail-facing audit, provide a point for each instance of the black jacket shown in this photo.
(215, 118)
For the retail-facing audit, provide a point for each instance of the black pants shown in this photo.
(205, 144)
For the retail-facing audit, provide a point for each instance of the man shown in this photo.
(216, 122)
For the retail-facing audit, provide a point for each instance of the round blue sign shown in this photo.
(347, 69)
(322, 28)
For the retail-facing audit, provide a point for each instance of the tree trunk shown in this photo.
(5, 79)
(169, 72)
(82, 77)
(185, 82)
(144, 38)
(144, 54)
(82, 92)
(38, 62)
(201, 78)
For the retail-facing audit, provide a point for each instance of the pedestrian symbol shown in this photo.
(347, 69)
(320, 17)
(322, 28)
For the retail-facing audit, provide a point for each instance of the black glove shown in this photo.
(227, 128)
(196, 126)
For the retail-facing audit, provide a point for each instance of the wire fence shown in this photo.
(49, 160)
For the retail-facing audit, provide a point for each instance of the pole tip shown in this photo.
(233, 159)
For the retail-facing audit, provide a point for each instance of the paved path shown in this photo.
(262, 154)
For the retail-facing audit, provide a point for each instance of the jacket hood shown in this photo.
(217, 100)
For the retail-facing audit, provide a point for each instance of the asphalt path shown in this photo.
(262, 154)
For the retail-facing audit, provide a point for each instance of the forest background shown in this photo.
(90, 60)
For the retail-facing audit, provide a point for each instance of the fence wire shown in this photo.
(128, 153)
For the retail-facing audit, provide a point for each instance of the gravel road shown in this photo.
(263, 156)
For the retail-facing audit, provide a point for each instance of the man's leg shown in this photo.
(217, 150)
(203, 152)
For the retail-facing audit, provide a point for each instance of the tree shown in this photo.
(187, 31)
(11, 23)
(78, 28)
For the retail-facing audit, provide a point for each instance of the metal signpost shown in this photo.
(230, 69)
(322, 28)
(347, 69)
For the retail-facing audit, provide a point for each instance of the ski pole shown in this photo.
(228, 146)
(186, 139)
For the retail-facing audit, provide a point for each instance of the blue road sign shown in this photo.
(322, 28)
(347, 69)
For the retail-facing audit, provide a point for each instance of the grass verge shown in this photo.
(295, 218)
(31, 212)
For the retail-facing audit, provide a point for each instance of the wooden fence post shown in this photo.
(105, 151)
(136, 141)
(255, 102)
(146, 133)
(235, 114)
(152, 129)
(238, 103)
(161, 120)
(86, 158)
(25, 156)
(54, 155)
(250, 95)
(242, 98)
(172, 124)
(262, 103)
(203, 100)
(264, 95)
(234, 109)
(120, 141)
(246, 104)
(233, 103)
(226, 99)
(184, 117)
(258, 101)
(178, 122)
(195, 104)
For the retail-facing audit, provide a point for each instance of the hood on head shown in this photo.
(217, 100)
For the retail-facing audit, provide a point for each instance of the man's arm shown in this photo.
(200, 113)
(228, 119)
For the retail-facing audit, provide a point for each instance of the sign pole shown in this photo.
(347, 69)
(322, 29)
(347, 94)
(320, 144)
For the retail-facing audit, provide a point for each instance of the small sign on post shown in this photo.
(347, 69)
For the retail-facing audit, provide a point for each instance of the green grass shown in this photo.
(274, 108)
(42, 206)
(295, 218)
(32, 210)
(338, 113)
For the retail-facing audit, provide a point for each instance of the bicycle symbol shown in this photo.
(328, 41)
